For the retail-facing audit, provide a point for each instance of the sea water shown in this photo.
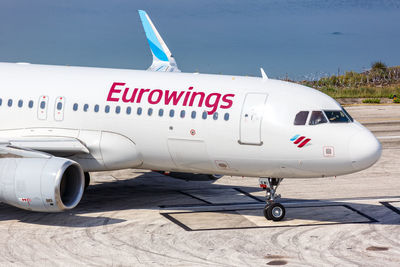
(298, 39)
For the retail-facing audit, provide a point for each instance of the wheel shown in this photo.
(87, 180)
(276, 211)
(266, 213)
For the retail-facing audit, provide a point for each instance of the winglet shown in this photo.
(162, 57)
(263, 75)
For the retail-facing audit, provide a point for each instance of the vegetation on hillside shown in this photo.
(379, 81)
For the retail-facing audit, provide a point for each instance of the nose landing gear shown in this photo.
(272, 211)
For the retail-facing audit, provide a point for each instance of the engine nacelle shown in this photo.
(47, 184)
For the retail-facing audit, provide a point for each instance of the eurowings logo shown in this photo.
(120, 93)
(300, 141)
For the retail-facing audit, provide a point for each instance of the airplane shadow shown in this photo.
(152, 191)
(67, 219)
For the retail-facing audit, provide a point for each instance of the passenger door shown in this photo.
(251, 118)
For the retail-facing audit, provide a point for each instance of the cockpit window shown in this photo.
(348, 115)
(336, 116)
(317, 117)
(301, 118)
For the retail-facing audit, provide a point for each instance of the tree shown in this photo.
(379, 66)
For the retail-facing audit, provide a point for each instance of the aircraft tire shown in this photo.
(276, 212)
(87, 180)
(266, 215)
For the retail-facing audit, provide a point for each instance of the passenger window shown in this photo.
(160, 112)
(117, 109)
(171, 113)
(30, 104)
(20, 103)
(301, 118)
(150, 111)
(215, 115)
(336, 116)
(183, 114)
(204, 116)
(9, 102)
(85, 107)
(226, 116)
(59, 105)
(75, 107)
(128, 110)
(193, 114)
(96, 108)
(317, 117)
(107, 109)
(1, 101)
(139, 110)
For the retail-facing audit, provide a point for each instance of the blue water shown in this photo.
(302, 39)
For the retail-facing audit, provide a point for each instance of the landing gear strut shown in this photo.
(272, 211)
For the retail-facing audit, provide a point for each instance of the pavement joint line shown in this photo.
(177, 222)
(246, 205)
(369, 105)
(248, 194)
(273, 226)
(192, 196)
(391, 207)
(169, 216)
(301, 201)
(388, 137)
(243, 207)
(373, 220)
(211, 205)
(373, 122)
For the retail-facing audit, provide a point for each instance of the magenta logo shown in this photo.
(189, 97)
(300, 141)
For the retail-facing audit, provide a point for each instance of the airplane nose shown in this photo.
(365, 150)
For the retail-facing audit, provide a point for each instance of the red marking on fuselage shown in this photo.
(299, 140)
(304, 143)
(27, 200)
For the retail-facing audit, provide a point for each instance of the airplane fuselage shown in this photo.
(184, 122)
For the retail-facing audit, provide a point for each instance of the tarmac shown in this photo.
(143, 218)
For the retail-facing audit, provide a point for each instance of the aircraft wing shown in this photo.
(162, 57)
(10, 151)
(52, 145)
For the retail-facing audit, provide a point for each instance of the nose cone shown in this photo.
(365, 150)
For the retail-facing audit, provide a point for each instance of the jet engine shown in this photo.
(45, 183)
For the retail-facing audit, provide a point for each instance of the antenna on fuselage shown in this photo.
(263, 75)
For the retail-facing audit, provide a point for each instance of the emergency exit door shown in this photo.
(251, 118)
(42, 107)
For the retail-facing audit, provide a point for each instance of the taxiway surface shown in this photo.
(141, 218)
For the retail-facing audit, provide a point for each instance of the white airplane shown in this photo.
(58, 123)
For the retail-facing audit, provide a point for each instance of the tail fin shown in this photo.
(162, 57)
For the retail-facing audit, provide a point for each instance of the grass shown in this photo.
(362, 92)
(378, 82)
(372, 100)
